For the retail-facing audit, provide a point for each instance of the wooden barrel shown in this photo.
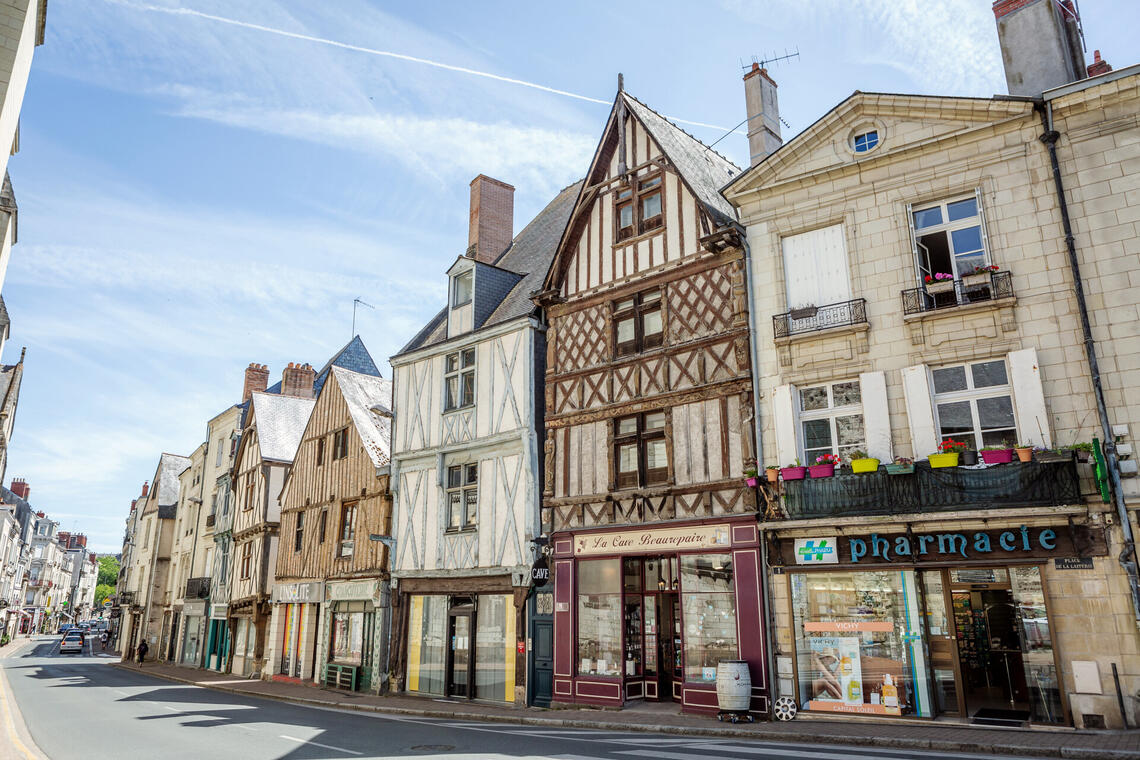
(733, 685)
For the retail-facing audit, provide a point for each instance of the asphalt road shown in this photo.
(78, 706)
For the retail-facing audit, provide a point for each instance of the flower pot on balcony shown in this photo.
(974, 280)
(792, 473)
(900, 469)
(864, 465)
(773, 474)
(752, 482)
(997, 456)
(1024, 454)
(943, 460)
(968, 458)
(821, 470)
(939, 286)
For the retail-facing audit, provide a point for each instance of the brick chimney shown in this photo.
(21, 488)
(763, 110)
(40, 515)
(1098, 66)
(256, 379)
(492, 221)
(1040, 44)
(81, 540)
(146, 489)
(133, 502)
(63, 537)
(297, 380)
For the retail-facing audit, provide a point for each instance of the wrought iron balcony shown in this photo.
(197, 588)
(970, 289)
(808, 319)
(943, 489)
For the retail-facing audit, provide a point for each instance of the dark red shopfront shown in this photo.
(646, 613)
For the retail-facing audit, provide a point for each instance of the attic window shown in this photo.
(866, 141)
(461, 289)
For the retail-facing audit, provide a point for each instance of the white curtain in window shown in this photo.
(815, 268)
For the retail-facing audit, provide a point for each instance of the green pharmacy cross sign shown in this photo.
(811, 551)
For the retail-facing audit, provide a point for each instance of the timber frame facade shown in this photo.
(648, 403)
(332, 576)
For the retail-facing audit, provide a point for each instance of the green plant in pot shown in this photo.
(1024, 452)
(947, 454)
(1002, 453)
(1084, 451)
(861, 463)
(751, 476)
(901, 466)
(773, 472)
(793, 471)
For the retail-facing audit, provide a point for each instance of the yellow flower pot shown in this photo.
(943, 460)
(865, 465)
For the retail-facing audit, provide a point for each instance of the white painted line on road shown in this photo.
(752, 750)
(120, 691)
(168, 707)
(322, 746)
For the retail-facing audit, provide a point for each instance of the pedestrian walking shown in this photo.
(103, 640)
(143, 648)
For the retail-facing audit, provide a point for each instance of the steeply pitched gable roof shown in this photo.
(280, 422)
(529, 255)
(362, 394)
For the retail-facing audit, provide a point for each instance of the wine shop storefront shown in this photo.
(648, 613)
(923, 622)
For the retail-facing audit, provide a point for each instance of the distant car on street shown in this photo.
(72, 642)
(65, 628)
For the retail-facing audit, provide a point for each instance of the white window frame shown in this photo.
(466, 492)
(831, 414)
(461, 371)
(947, 227)
(469, 275)
(973, 395)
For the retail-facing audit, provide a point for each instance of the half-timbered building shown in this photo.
(648, 397)
(330, 601)
(466, 463)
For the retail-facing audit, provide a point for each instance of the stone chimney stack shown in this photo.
(256, 379)
(21, 488)
(81, 540)
(63, 536)
(1040, 44)
(297, 380)
(146, 488)
(492, 221)
(1098, 66)
(763, 111)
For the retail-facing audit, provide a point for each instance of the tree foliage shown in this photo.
(108, 571)
(102, 591)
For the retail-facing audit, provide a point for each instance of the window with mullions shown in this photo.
(347, 528)
(974, 403)
(866, 141)
(340, 444)
(459, 380)
(831, 420)
(462, 496)
(949, 238)
(641, 456)
(638, 208)
(638, 324)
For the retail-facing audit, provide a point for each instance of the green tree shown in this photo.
(102, 591)
(108, 571)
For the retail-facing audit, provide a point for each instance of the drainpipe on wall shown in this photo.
(753, 345)
(1128, 557)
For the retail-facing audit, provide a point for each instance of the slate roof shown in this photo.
(166, 485)
(281, 422)
(361, 393)
(529, 254)
(705, 170)
(5, 322)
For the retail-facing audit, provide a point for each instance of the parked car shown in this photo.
(72, 642)
(65, 628)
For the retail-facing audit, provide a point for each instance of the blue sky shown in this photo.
(195, 194)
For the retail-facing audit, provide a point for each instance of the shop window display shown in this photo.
(427, 627)
(1036, 645)
(495, 648)
(708, 609)
(859, 643)
(599, 618)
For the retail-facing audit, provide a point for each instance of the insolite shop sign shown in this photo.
(663, 540)
(1021, 542)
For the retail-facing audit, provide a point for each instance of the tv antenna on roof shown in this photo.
(774, 58)
(356, 301)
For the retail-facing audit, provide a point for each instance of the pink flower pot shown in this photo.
(792, 473)
(752, 482)
(997, 456)
(822, 470)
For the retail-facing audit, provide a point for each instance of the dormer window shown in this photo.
(461, 288)
(639, 208)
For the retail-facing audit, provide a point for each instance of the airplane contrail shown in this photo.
(381, 53)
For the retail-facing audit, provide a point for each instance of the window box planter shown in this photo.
(804, 312)
(1024, 454)
(1060, 455)
(974, 280)
(793, 473)
(864, 465)
(997, 456)
(900, 469)
(821, 470)
(940, 286)
(943, 460)
(968, 458)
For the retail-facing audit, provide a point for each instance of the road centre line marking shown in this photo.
(323, 746)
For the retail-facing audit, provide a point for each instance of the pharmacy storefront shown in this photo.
(648, 613)
(917, 623)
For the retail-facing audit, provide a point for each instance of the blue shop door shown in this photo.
(540, 684)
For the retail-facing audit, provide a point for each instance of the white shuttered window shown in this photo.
(815, 268)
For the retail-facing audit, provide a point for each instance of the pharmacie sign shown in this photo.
(1021, 542)
(662, 539)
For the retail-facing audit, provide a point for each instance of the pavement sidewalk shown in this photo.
(1035, 742)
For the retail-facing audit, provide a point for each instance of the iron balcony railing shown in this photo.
(971, 289)
(812, 318)
(198, 588)
(943, 489)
